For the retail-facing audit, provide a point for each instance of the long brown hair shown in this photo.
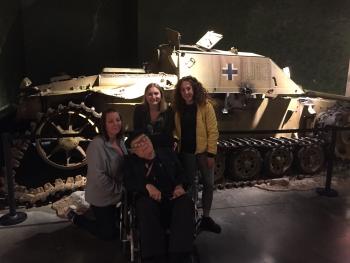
(103, 130)
(163, 105)
(200, 94)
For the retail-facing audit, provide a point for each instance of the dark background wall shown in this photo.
(11, 54)
(312, 37)
(44, 38)
(78, 37)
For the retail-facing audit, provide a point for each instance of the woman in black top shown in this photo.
(154, 117)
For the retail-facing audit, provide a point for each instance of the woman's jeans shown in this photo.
(192, 163)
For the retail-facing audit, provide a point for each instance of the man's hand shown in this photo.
(178, 191)
(153, 192)
(210, 162)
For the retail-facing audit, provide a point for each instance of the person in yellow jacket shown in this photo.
(197, 134)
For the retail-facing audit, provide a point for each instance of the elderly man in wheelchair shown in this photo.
(165, 214)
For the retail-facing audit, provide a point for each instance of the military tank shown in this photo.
(249, 92)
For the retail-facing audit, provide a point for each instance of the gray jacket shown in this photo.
(104, 175)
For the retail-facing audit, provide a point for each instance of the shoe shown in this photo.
(208, 224)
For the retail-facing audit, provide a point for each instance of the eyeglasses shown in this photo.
(138, 145)
(141, 142)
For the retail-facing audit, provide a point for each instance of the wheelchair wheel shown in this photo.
(124, 224)
(124, 229)
(134, 251)
(134, 241)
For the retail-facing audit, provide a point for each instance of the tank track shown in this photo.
(228, 149)
(48, 193)
(250, 159)
(18, 149)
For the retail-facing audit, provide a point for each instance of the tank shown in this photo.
(249, 93)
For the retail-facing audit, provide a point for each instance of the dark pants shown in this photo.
(191, 163)
(151, 215)
(104, 226)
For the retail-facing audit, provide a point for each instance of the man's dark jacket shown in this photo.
(166, 172)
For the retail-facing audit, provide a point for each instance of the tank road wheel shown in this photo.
(278, 161)
(310, 159)
(135, 251)
(66, 153)
(246, 164)
(219, 167)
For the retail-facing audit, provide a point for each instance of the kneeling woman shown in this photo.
(161, 201)
(105, 155)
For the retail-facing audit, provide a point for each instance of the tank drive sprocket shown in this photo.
(67, 152)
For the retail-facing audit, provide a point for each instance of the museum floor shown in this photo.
(259, 226)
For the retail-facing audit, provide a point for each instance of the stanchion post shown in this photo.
(327, 190)
(13, 217)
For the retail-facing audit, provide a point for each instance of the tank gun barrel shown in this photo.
(325, 95)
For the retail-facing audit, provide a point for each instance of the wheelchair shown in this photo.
(129, 234)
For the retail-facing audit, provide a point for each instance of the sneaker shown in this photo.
(208, 224)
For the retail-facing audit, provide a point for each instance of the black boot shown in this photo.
(208, 224)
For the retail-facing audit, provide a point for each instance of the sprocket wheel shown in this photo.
(278, 161)
(246, 164)
(310, 159)
(67, 153)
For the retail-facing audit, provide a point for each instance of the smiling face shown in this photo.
(186, 91)
(142, 147)
(153, 96)
(113, 124)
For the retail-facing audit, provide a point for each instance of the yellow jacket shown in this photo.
(207, 133)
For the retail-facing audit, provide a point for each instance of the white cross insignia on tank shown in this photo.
(230, 71)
